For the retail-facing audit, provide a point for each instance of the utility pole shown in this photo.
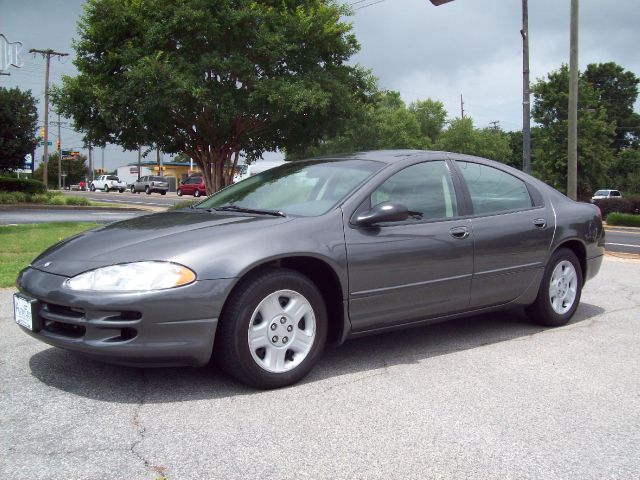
(526, 93)
(139, 160)
(102, 160)
(59, 154)
(47, 54)
(572, 157)
(495, 125)
(5, 73)
(461, 107)
(90, 177)
(158, 161)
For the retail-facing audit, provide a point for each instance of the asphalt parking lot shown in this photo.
(489, 397)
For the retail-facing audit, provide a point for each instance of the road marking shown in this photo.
(625, 232)
(623, 245)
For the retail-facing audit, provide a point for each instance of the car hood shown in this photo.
(162, 236)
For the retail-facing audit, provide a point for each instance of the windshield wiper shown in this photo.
(258, 211)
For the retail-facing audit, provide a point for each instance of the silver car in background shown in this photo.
(149, 184)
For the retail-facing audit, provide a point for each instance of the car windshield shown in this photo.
(601, 193)
(306, 188)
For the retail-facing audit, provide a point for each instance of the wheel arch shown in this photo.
(580, 251)
(323, 276)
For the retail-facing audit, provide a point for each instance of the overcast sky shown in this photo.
(468, 47)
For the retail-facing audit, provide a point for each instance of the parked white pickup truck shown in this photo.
(106, 183)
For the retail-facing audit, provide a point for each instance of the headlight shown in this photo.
(133, 277)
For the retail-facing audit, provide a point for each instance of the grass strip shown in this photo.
(19, 244)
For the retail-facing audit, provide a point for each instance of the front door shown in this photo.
(401, 272)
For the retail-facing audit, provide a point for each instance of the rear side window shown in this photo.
(492, 190)
(615, 193)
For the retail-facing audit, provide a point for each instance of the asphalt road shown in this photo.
(623, 240)
(490, 397)
(155, 199)
(33, 215)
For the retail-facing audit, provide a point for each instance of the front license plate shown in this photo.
(23, 311)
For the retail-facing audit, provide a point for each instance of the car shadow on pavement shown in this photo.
(85, 377)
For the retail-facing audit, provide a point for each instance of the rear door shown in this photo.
(400, 272)
(512, 231)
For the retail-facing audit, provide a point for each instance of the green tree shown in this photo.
(624, 174)
(76, 170)
(595, 134)
(18, 119)
(462, 137)
(383, 123)
(617, 91)
(213, 79)
(431, 116)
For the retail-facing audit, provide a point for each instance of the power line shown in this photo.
(368, 5)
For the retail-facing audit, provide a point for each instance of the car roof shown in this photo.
(386, 156)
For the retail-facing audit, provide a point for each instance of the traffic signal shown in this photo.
(41, 132)
(58, 144)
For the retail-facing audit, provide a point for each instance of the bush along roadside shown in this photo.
(21, 185)
(623, 219)
(629, 204)
(47, 198)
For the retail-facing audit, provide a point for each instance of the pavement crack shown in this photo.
(141, 429)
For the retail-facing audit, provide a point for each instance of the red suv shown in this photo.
(192, 186)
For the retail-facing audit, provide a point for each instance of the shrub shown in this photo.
(77, 201)
(56, 200)
(25, 185)
(184, 204)
(608, 205)
(8, 198)
(41, 198)
(623, 219)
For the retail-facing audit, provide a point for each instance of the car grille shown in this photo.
(77, 323)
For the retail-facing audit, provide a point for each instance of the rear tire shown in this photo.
(163, 192)
(272, 330)
(133, 189)
(196, 193)
(560, 291)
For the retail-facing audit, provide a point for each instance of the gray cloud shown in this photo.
(469, 47)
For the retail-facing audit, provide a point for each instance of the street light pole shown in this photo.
(572, 157)
(526, 93)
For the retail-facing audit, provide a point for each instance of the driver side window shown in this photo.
(425, 188)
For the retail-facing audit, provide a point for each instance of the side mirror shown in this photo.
(383, 212)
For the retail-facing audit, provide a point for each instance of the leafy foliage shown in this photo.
(462, 137)
(18, 119)
(616, 90)
(595, 134)
(76, 170)
(213, 79)
(26, 185)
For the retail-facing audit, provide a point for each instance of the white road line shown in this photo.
(623, 245)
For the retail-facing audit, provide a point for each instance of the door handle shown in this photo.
(459, 232)
(540, 223)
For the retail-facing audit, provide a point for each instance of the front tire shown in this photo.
(560, 291)
(179, 193)
(272, 330)
(133, 189)
(106, 188)
(147, 190)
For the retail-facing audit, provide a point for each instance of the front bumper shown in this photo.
(166, 327)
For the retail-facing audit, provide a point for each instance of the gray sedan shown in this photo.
(261, 275)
